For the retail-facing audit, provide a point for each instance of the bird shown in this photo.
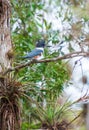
(37, 53)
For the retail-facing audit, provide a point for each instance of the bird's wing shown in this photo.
(33, 53)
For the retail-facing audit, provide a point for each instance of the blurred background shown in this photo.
(61, 87)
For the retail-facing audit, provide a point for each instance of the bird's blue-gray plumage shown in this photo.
(33, 53)
(36, 52)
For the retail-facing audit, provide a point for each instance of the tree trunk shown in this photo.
(9, 110)
(5, 40)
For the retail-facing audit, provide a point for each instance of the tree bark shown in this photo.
(6, 113)
(5, 39)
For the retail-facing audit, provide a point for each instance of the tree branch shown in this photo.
(67, 56)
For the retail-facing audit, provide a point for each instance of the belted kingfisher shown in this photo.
(37, 52)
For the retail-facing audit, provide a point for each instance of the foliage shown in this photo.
(51, 116)
(44, 82)
(48, 78)
(9, 103)
(24, 24)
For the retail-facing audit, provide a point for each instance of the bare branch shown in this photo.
(67, 56)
